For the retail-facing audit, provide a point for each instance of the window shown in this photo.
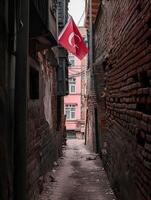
(34, 83)
(70, 111)
(72, 85)
(71, 59)
(85, 39)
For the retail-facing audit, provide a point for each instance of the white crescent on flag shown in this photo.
(70, 39)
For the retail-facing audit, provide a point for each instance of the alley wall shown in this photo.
(6, 102)
(122, 72)
(32, 119)
(43, 141)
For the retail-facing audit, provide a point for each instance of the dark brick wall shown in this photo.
(43, 140)
(6, 158)
(122, 65)
(5, 154)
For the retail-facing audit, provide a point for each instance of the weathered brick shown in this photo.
(44, 142)
(125, 43)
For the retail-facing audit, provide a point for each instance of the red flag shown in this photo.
(71, 39)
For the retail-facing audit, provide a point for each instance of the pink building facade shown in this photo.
(73, 103)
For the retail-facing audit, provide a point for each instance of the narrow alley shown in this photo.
(75, 100)
(78, 175)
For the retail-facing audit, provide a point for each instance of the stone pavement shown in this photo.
(79, 176)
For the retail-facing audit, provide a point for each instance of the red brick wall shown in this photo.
(123, 53)
(43, 141)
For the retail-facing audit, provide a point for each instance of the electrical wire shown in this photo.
(81, 17)
(76, 74)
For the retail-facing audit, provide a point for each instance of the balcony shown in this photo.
(43, 27)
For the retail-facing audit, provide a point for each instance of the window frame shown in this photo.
(72, 84)
(71, 58)
(70, 111)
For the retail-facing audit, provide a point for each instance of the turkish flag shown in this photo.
(71, 39)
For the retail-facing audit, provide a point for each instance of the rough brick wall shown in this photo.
(123, 39)
(43, 140)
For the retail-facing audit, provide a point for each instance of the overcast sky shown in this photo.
(76, 9)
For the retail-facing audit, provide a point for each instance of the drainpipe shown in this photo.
(90, 39)
(90, 61)
(22, 21)
(92, 69)
(91, 45)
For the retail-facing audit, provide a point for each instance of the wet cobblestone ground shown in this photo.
(78, 176)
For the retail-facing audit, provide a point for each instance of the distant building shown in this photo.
(74, 103)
